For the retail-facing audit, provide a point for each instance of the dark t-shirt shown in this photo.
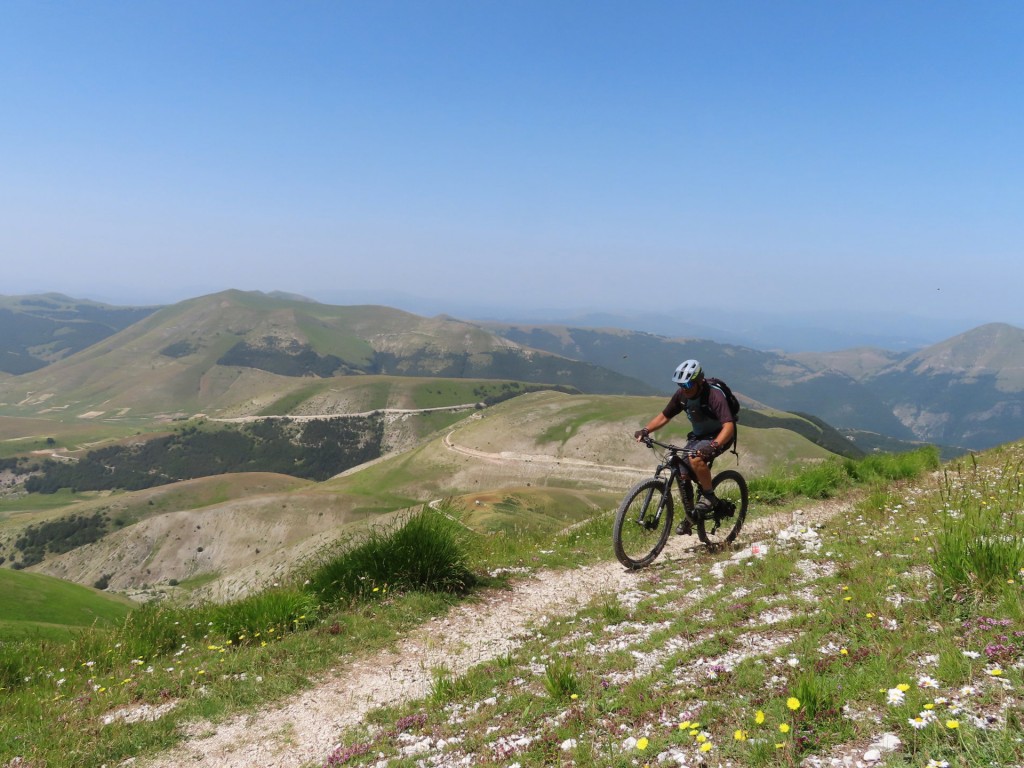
(705, 425)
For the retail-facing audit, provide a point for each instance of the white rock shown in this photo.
(890, 742)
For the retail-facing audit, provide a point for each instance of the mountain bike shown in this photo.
(643, 521)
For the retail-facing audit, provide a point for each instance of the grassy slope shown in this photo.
(816, 635)
(32, 603)
(133, 506)
(21, 435)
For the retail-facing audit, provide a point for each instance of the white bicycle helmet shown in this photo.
(687, 373)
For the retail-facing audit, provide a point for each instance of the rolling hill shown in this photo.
(968, 390)
(234, 353)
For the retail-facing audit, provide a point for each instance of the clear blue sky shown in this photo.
(823, 155)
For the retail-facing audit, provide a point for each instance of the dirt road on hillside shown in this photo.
(540, 458)
(305, 728)
(362, 415)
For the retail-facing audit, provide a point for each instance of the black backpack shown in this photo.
(730, 398)
(721, 386)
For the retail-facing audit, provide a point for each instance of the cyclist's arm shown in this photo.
(727, 433)
(656, 423)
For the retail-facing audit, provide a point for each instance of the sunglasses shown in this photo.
(691, 385)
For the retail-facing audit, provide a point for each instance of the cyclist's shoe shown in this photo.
(684, 528)
(705, 507)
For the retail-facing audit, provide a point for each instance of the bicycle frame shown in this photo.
(679, 473)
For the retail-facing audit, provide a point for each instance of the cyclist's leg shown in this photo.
(699, 468)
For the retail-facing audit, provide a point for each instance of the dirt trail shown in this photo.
(540, 458)
(304, 729)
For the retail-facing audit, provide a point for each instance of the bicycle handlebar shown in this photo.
(650, 442)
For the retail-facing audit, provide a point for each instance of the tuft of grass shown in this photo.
(614, 612)
(428, 551)
(561, 680)
(979, 544)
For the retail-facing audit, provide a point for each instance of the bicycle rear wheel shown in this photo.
(724, 523)
(643, 523)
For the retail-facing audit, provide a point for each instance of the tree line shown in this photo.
(314, 450)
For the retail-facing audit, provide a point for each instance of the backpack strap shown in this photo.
(704, 396)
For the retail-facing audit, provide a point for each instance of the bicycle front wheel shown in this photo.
(643, 523)
(721, 526)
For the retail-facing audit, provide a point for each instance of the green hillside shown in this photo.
(236, 353)
(34, 604)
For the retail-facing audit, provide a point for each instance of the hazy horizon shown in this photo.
(541, 157)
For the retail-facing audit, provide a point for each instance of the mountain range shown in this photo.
(238, 353)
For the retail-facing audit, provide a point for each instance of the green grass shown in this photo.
(601, 409)
(20, 434)
(199, 580)
(290, 402)
(36, 502)
(424, 552)
(980, 541)
(31, 603)
(829, 478)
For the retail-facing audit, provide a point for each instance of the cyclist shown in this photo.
(714, 428)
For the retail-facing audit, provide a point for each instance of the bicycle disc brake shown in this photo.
(725, 509)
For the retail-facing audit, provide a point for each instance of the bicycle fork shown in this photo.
(650, 522)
